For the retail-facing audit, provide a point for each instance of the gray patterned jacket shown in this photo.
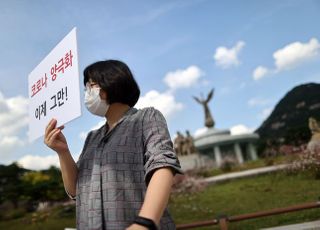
(114, 170)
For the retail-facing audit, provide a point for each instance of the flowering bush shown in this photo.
(309, 160)
(188, 183)
(269, 153)
(288, 150)
(228, 163)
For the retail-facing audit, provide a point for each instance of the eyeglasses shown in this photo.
(90, 85)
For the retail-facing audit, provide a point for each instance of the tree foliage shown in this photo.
(18, 184)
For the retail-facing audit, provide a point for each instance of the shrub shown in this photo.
(13, 214)
(228, 163)
(66, 211)
(309, 160)
(39, 217)
(188, 184)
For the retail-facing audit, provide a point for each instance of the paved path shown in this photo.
(242, 174)
(314, 225)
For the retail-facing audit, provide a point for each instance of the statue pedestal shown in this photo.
(220, 144)
(195, 161)
(314, 146)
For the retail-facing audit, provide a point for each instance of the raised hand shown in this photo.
(54, 138)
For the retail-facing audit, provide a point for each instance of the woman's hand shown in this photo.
(136, 227)
(54, 138)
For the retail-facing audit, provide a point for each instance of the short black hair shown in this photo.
(116, 79)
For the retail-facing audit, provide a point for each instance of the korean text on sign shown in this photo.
(54, 89)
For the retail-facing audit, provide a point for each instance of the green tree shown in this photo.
(45, 185)
(56, 191)
(11, 186)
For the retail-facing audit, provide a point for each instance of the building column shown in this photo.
(252, 151)
(237, 150)
(217, 155)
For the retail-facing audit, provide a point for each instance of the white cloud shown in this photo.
(295, 53)
(164, 102)
(13, 114)
(39, 162)
(36, 162)
(13, 118)
(200, 131)
(258, 102)
(183, 78)
(84, 134)
(260, 72)
(265, 113)
(240, 129)
(289, 57)
(9, 143)
(226, 58)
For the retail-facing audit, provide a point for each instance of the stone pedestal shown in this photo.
(217, 155)
(217, 144)
(238, 153)
(196, 161)
(253, 152)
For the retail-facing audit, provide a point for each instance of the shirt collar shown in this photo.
(105, 128)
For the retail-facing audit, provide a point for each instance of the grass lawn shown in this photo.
(55, 219)
(236, 197)
(262, 162)
(250, 195)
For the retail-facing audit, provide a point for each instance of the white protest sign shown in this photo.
(54, 90)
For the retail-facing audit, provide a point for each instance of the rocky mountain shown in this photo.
(288, 122)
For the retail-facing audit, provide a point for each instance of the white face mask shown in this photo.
(94, 103)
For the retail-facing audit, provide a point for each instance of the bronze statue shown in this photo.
(184, 145)
(178, 143)
(188, 144)
(209, 122)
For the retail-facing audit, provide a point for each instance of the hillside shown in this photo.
(288, 122)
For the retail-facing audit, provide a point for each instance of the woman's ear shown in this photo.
(103, 94)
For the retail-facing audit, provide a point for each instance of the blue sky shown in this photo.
(250, 52)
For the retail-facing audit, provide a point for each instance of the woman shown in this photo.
(124, 174)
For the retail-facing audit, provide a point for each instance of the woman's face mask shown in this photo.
(93, 101)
